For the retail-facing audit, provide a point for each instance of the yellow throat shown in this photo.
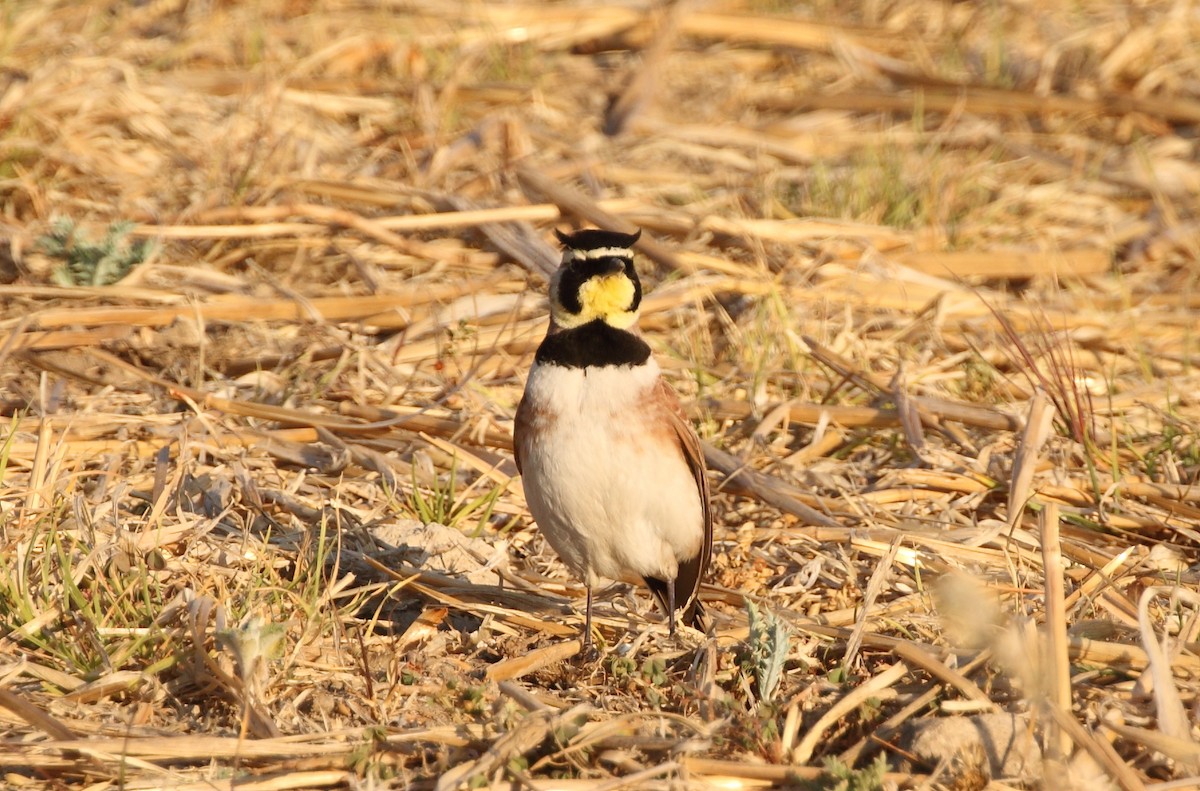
(607, 298)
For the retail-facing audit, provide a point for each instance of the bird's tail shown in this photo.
(696, 616)
(689, 610)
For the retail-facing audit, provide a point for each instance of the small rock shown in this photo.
(1006, 741)
(445, 550)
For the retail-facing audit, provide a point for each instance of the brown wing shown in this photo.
(691, 570)
(521, 424)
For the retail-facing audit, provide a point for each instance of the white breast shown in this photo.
(614, 499)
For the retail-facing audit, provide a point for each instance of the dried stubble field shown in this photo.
(924, 272)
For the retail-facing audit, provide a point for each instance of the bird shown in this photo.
(613, 471)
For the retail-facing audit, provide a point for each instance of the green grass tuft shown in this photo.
(90, 263)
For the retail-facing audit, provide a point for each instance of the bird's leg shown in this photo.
(587, 621)
(671, 608)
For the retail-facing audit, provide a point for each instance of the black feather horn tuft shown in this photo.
(595, 239)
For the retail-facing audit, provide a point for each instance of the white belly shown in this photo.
(612, 501)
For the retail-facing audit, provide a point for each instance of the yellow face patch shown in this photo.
(608, 298)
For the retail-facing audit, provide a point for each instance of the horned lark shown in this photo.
(613, 472)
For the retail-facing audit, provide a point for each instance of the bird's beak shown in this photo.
(612, 266)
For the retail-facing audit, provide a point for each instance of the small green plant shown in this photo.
(368, 758)
(506, 62)
(654, 672)
(843, 778)
(110, 609)
(767, 645)
(472, 700)
(443, 504)
(757, 732)
(252, 643)
(6, 446)
(89, 263)
(1172, 453)
(621, 668)
(874, 185)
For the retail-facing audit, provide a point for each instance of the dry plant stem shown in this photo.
(1141, 488)
(810, 414)
(873, 687)
(459, 218)
(875, 585)
(777, 31)
(985, 101)
(634, 778)
(929, 407)
(742, 771)
(384, 419)
(514, 608)
(915, 655)
(238, 308)
(1038, 425)
(768, 490)
(575, 203)
(1001, 264)
(1178, 749)
(16, 339)
(348, 219)
(791, 727)
(195, 747)
(329, 778)
(423, 627)
(522, 696)
(1123, 655)
(642, 78)
(21, 339)
(515, 743)
(35, 716)
(1173, 720)
(1058, 692)
(910, 419)
(923, 659)
(1100, 578)
(533, 661)
(1099, 749)
(517, 239)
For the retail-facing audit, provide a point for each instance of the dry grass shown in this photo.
(926, 271)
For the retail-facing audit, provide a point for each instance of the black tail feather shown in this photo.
(687, 594)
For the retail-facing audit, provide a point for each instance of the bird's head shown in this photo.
(596, 280)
